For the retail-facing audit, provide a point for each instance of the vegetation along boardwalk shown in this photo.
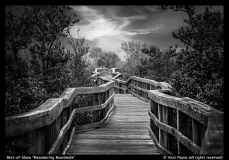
(125, 132)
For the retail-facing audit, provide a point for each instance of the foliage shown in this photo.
(78, 64)
(95, 53)
(38, 66)
(200, 75)
(120, 64)
(84, 117)
(195, 71)
(134, 55)
(35, 59)
(108, 59)
(159, 65)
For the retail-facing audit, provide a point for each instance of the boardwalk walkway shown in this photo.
(125, 132)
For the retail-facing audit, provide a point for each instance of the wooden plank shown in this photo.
(112, 142)
(117, 147)
(122, 134)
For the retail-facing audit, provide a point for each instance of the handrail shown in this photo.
(49, 126)
(196, 127)
(122, 86)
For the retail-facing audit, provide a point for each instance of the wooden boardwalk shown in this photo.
(125, 132)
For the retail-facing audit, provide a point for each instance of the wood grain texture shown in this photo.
(61, 135)
(180, 137)
(34, 119)
(213, 141)
(162, 85)
(125, 132)
(46, 113)
(96, 124)
(96, 107)
(70, 141)
(161, 149)
(191, 107)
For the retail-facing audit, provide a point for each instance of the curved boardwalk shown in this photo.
(125, 132)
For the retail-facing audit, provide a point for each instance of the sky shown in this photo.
(107, 26)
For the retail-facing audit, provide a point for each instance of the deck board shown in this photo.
(125, 132)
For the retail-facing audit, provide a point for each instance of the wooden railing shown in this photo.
(49, 127)
(177, 125)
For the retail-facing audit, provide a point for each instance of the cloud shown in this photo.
(110, 31)
(153, 8)
(98, 25)
(108, 26)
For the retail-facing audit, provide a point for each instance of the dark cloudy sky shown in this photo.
(107, 26)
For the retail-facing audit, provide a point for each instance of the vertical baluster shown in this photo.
(65, 139)
(166, 116)
(96, 102)
(106, 96)
(198, 131)
(154, 110)
(146, 94)
(101, 101)
(37, 140)
(183, 127)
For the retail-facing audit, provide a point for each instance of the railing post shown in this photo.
(198, 131)
(166, 116)
(37, 138)
(101, 101)
(96, 102)
(183, 127)
(154, 110)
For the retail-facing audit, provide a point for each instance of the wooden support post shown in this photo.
(101, 101)
(154, 110)
(65, 119)
(183, 127)
(198, 131)
(166, 116)
(96, 102)
(37, 141)
(106, 96)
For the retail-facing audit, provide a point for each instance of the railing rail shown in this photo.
(49, 127)
(177, 125)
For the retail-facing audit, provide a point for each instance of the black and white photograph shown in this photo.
(114, 80)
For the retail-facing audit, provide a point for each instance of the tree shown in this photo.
(133, 57)
(95, 53)
(78, 64)
(38, 67)
(40, 75)
(108, 59)
(200, 75)
(160, 64)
